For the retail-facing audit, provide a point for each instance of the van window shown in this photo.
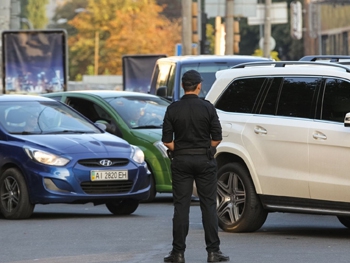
(207, 71)
(298, 96)
(336, 100)
(161, 75)
(241, 95)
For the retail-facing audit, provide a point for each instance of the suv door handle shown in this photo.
(259, 129)
(319, 136)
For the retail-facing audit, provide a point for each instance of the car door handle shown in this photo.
(260, 130)
(319, 136)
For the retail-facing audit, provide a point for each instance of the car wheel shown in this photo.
(345, 220)
(238, 206)
(123, 207)
(14, 202)
(152, 191)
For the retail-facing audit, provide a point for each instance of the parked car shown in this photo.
(340, 59)
(285, 147)
(49, 153)
(168, 71)
(133, 116)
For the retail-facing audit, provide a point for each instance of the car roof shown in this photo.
(226, 76)
(263, 69)
(211, 58)
(22, 97)
(109, 93)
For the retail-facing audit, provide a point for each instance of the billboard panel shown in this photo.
(34, 61)
(138, 70)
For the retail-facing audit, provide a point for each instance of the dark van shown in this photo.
(167, 73)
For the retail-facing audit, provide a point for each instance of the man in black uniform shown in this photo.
(191, 131)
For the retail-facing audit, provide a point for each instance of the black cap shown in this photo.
(191, 77)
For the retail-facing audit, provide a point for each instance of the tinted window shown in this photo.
(336, 100)
(241, 95)
(297, 97)
(269, 102)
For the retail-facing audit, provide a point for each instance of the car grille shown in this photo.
(96, 162)
(106, 187)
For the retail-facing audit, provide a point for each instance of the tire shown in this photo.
(123, 207)
(152, 191)
(14, 198)
(345, 220)
(238, 206)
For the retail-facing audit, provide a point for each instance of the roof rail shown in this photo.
(332, 58)
(284, 63)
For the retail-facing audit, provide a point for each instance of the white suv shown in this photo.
(286, 141)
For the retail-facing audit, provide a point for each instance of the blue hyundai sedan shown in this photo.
(49, 153)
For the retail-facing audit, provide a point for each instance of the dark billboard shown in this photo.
(138, 70)
(34, 61)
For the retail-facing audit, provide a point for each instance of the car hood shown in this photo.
(78, 143)
(150, 135)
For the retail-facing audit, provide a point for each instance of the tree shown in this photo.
(287, 48)
(123, 27)
(65, 12)
(36, 13)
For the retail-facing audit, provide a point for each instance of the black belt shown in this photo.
(191, 151)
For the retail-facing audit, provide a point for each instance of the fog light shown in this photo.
(50, 185)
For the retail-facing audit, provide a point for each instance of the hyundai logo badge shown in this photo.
(106, 162)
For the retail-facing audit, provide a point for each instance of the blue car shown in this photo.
(49, 153)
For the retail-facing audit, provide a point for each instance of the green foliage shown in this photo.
(90, 70)
(67, 12)
(24, 12)
(287, 47)
(36, 13)
(210, 34)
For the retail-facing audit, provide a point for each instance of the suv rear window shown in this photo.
(336, 102)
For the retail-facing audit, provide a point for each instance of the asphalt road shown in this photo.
(86, 234)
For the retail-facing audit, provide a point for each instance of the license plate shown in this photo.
(102, 175)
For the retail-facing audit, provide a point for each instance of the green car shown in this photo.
(135, 117)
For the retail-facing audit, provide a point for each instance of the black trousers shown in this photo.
(185, 169)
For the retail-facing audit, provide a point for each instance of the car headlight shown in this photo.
(162, 148)
(46, 157)
(137, 154)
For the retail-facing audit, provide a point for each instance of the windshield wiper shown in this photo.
(68, 131)
(25, 133)
(148, 127)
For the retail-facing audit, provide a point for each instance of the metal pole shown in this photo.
(199, 18)
(267, 29)
(4, 25)
(229, 28)
(186, 27)
(319, 33)
(217, 35)
(15, 15)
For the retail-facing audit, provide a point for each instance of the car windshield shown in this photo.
(39, 117)
(140, 112)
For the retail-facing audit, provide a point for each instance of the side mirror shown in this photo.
(162, 91)
(100, 125)
(347, 120)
